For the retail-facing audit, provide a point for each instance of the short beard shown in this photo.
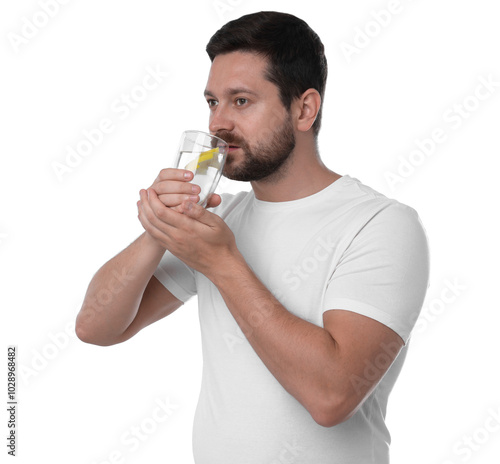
(266, 161)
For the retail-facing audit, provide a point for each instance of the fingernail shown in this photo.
(194, 198)
(187, 175)
(189, 206)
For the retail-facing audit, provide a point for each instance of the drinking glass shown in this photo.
(204, 155)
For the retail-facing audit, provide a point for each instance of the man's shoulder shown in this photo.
(359, 205)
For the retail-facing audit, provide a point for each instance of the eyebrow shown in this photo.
(231, 91)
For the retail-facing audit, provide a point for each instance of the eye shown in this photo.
(212, 103)
(241, 101)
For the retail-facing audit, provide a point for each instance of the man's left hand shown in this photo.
(196, 236)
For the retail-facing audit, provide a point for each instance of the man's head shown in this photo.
(246, 112)
(295, 53)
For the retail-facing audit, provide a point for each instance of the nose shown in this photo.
(220, 120)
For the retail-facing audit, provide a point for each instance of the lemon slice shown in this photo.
(202, 162)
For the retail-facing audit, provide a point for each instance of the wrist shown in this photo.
(152, 245)
(228, 269)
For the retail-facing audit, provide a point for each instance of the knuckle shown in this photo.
(165, 174)
(159, 212)
(171, 174)
(164, 198)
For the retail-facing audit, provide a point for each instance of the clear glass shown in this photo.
(204, 155)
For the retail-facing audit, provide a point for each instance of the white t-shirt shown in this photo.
(345, 247)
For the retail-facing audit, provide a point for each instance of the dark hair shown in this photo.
(296, 54)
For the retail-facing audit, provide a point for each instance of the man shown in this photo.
(308, 286)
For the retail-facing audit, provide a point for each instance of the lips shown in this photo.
(230, 139)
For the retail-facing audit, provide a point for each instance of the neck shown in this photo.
(302, 175)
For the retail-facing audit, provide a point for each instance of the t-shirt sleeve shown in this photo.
(178, 278)
(384, 272)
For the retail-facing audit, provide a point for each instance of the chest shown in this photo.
(294, 257)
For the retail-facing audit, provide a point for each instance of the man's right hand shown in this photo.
(173, 187)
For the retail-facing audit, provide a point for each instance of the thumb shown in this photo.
(214, 201)
(195, 211)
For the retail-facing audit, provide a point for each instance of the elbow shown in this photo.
(81, 328)
(328, 419)
(89, 338)
(82, 323)
(87, 335)
(332, 411)
(83, 334)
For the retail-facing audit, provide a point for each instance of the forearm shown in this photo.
(303, 357)
(115, 292)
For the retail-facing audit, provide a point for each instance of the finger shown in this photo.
(175, 186)
(194, 211)
(176, 174)
(151, 210)
(142, 207)
(150, 215)
(164, 216)
(172, 200)
(214, 200)
(181, 175)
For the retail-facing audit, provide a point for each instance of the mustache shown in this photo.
(230, 138)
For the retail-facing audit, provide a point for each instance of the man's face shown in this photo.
(246, 112)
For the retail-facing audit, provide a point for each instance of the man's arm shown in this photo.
(325, 369)
(124, 297)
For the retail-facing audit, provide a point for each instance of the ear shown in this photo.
(308, 106)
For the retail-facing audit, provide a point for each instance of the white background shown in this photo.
(79, 403)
